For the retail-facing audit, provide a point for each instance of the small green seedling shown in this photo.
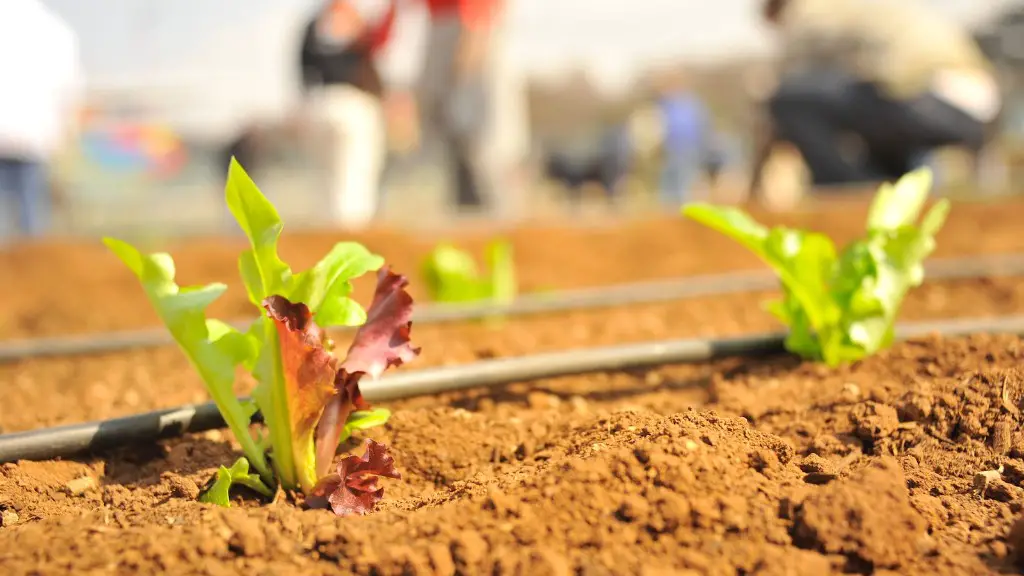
(842, 307)
(309, 398)
(226, 477)
(451, 275)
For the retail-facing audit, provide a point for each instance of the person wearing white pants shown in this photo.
(345, 95)
(355, 120)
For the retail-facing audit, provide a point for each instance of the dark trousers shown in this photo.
(23, 188)
(813, 110)
(468, 181)
(459, 120)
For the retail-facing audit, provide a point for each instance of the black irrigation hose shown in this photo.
(581, 299)
(71, 440)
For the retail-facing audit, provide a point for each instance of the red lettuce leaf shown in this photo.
(380, 343)
(353, 489)
(309, 372)
(383, 341)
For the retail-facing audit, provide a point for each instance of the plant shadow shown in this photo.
(145, 464)
(520, 393)
(699, 381)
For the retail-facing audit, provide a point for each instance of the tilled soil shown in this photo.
(787, 468)
(74, 287)
(80, 388)
(734, 467)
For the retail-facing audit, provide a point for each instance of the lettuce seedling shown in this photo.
(842, 307)
(451, 275)
(309, 398)
(226, 477)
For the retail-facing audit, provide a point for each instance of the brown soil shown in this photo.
(104, 386)
(735, 467)
(80, 287)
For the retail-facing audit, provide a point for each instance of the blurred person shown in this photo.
(719, 155)
(403, 125)
(341, 80)
(403, 138)
(686, 139)
(39, 98)
(471, 101)
(894, 74)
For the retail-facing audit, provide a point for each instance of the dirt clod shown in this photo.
(815, 464)
(247, 536)
(1003, 492)
(873, 421)
(80, 485)
(1015, 541)
(181, 486)
(632, 509)
(9, 518)
(867, 518)
(1002, 436)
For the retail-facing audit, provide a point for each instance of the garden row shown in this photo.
(79, 287)
(788, 467)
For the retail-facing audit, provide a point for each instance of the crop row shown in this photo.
(838, 305)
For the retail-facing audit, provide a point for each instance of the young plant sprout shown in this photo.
(451, 275)
(309, 398)
(842, 307)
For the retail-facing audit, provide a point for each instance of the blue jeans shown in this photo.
(23, 188)
(679, 173)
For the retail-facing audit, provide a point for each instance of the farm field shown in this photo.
(738, 466)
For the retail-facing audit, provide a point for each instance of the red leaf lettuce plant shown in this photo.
(309, 398)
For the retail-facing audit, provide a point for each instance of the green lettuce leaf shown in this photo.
(219, 492)
(213, 348)
(842, 308)
(502, 284)
(364, 420)
(298, 378)
(326, 286)
(451, 275)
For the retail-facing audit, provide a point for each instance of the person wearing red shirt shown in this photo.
(341, 80)
(471, 102)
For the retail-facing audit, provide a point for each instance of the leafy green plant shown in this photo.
(309, 398)
(842, 307)
(219, 491)
(451, 275)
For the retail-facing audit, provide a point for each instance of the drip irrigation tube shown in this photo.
(71, 440)
(568, 300)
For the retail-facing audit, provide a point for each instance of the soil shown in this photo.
(79, 287)
(767, 467)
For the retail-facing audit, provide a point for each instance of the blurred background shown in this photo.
(348, 113)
